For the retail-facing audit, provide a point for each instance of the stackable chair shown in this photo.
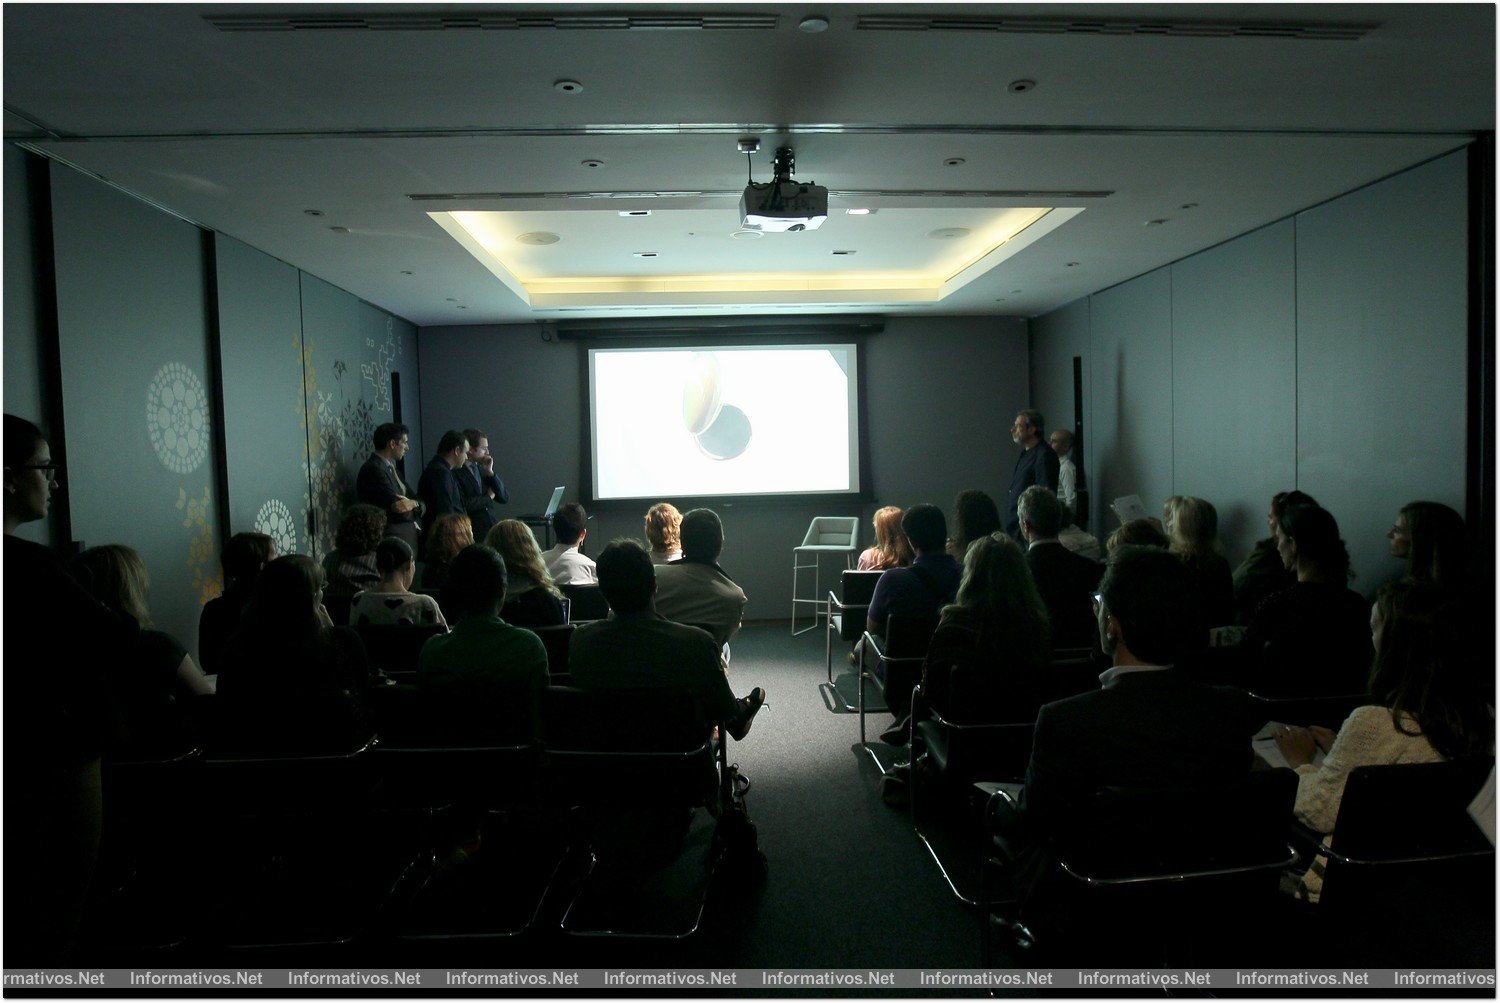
(585, 603)
(826, 534)
(395, 648)
(1408, 877)
(893, 663)
(1145, 877)
(613, 753)
(1328, 712)
(434, 761)
(556, 640)
(847, 613)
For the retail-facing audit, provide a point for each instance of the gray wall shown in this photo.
(303, 367)
(1325, 352)
(940, 393)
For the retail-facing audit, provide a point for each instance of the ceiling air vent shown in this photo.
(1094, 26)
(494, 20)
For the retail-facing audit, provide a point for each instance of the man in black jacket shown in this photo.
(379, 484)
(1066, 580)
(1037, 464)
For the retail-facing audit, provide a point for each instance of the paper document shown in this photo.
(1129, 508)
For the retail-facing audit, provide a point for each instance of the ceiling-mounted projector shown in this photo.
(785, 206)
(782, 205)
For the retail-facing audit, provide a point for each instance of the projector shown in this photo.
(784, 206)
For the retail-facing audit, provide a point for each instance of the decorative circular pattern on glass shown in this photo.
(177, 417)
(275, 520)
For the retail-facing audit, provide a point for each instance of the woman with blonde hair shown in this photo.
(1192, 526)
(891, 549)
(449, 534)
(532, 599)
(154, 682)
(663, 523)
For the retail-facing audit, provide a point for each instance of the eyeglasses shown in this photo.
(50, 467)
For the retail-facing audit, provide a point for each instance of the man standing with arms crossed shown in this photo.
(379, 484)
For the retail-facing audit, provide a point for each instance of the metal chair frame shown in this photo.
(817, 550)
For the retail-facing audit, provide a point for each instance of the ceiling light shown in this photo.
(339, 229)
(1071, 264)
(592, 163)
(538, 238)
(860, 212)
(949, 233)
(1154, 222)
(747, 235)
(636, 213)
(645, 254)
(1020, 86)
(568, 86)
(954, 162)
(405, 272)
(1188, 205)
(813, 24)
(313, 212)
(452, 299)
(844, 252)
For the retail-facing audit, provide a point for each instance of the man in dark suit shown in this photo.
(1037, 464)
(1150, 725)
(438, 487)
(380, 484)
(479, 484)
(1066, 580)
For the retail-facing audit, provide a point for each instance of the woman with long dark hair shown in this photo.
(1263, 574)
(1431, 538)
(1311, 638)
(1430, 705)
(290, 684)
(242, 560)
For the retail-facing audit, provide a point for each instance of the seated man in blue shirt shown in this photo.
(931, 581)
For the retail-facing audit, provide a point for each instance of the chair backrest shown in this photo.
(1411, 810)
(1137, 835)
(858, 587)
(585, 603)
(337, 605)
(395, 647)
(908, 635)
(832, 531)
(556, 640)
(1329, 711)
(424, 758)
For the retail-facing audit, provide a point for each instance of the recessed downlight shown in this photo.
(954, 162)
(592, 163)
(538, 238)
(339, 229)
(843, 253)
(1020, 86)
(949, 233)
(568, 86)
(405, 271)
(747, 235)
(1070, 264)
(312, 212)
(1154, 222)
(635, 213)
(860, 212)
(813, 24)
(645, 254)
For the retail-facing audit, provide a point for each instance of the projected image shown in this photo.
(723, 421)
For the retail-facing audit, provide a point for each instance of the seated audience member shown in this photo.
(695, 589)
(57, 717)
(891, 549)
(640, 649)
(391, 601)
(1311, 638)
(289, 684)
(662, 522)
(565, 562)
(1149, 725)
(532, 599)
(928, 584)
(350, 566)
(1262, 573)
(1432, 540)
(1065, 580)
(154, 682)
(990, 652)
(488, 674)
(1080, 542)
(1193, 535)
(449, 534)
(242, 560)
(1137, 533)
(975, 516)
(1431, 706)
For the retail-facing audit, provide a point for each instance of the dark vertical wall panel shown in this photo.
(1234, 392)
(1381, 350)
(1055, 339)
(260, 332)
(1131, 349)
(25, 391)
(131, 317)
(939, 391)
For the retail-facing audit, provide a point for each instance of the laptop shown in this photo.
(557, 494)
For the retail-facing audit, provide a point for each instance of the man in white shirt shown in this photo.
(564, 563)
(1061, 441)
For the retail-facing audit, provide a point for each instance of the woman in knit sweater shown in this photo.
(1431, 706)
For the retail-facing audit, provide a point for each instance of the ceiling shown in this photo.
(327, 135)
